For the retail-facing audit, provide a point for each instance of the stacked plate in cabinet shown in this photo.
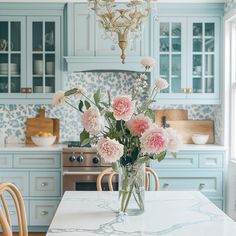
(4, 69)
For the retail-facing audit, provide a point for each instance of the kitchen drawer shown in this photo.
(211, 160)
(45, 184)
(209, 183)
(37, 160)
(181, 161)
(6, 160)
(42, 212)
(13, 212)
(20, 179)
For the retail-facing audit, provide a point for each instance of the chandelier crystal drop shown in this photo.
(121, 20)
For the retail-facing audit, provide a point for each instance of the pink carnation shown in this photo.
(110, 149)
(154, 140)
(175, 141)
(123, 107)
(58, 98)
(92, 120)
(148, 62)
(138, 124)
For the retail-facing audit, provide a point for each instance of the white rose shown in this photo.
(58, 98)
(148, 62)
(161, 84)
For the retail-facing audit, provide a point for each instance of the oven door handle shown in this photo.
(81, 173)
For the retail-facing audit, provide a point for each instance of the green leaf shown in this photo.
(174, 154)
(70, 92)
(87, 104)
(85, 142)
(84, 135)
(104, 104)
(149, 112)
(97, 97)
(161, 156)
(109, 97)
(115, 166)
(81, 104)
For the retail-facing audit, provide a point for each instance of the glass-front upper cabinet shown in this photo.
(204, 58)
(12, 54)
(44, 55)
(171, 53)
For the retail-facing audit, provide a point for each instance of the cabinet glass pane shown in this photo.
(197, 65)
(37, 36)
(209, 45)
(164, 65)
(197, 29)
(176, 84)
(164, 44)
(176, 29)
(50, 73)
(3, 36)
(176, 65)
(164, 29)
(209, 85)
(49, 36)
(197, 85)
(38, 64)
(176, 44)
(15, 84)
(209, 64)
(197, 45)
(15, 44)
(38, 84)
(50, 84)
(3, 84)
(15, 64)
(3, 64)
(209, 29)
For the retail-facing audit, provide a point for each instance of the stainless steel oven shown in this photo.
(81, 167)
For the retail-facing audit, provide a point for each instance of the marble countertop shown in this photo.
(167, 213)
(59, 147)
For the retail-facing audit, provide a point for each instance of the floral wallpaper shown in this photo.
(230, 5)
(13, 117)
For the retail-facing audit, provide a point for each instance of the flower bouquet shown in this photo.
(124, 130)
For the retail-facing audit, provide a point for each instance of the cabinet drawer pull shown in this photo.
(165, 185)
(184, 90)
(44, 184)
(28, 90)
(188, 90)
(44, 213)
(201, 186)
(23, 90)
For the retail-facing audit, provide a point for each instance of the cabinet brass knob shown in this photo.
(23, 90)
(44, 213)
(189, 90)
(28, 90)
(184, 90)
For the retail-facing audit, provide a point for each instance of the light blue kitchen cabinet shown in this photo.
(187, 46)
(30, 52)
(38, 177)
(88, 42)
(193, 171)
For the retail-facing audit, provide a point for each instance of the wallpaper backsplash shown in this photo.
(13, 117)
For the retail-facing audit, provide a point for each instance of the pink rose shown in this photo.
(110, 149)
(148, 62)
(138, 124)
(123, 107)
(92, 120)
(154, 140)
(175, 141)
(58, 98)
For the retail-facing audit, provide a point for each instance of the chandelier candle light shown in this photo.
(121, 19)
(124, 130)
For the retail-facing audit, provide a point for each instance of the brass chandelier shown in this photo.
(121, 19)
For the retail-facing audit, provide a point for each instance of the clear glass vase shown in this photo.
(132, 189)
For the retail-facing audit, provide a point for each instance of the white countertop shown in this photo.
(59, 147)
(167, 213)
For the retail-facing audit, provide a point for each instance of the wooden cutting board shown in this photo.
(43, 124)
(170, 114)
(186, 128)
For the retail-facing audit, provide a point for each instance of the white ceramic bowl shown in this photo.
(200, 138)
(43, 141)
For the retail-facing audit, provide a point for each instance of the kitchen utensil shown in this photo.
(170, 114)
(42, 124)
(187, 128)
(38, 67)
(43, 141)
(200, 138)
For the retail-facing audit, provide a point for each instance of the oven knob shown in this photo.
(80, 159)
(95, 160)
(72, 158)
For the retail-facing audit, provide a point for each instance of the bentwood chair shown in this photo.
(110, 173)
(5, 221)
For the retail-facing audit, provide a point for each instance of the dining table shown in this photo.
(168, 213)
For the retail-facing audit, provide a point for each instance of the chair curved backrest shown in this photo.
(5, 220)
(110, 173)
